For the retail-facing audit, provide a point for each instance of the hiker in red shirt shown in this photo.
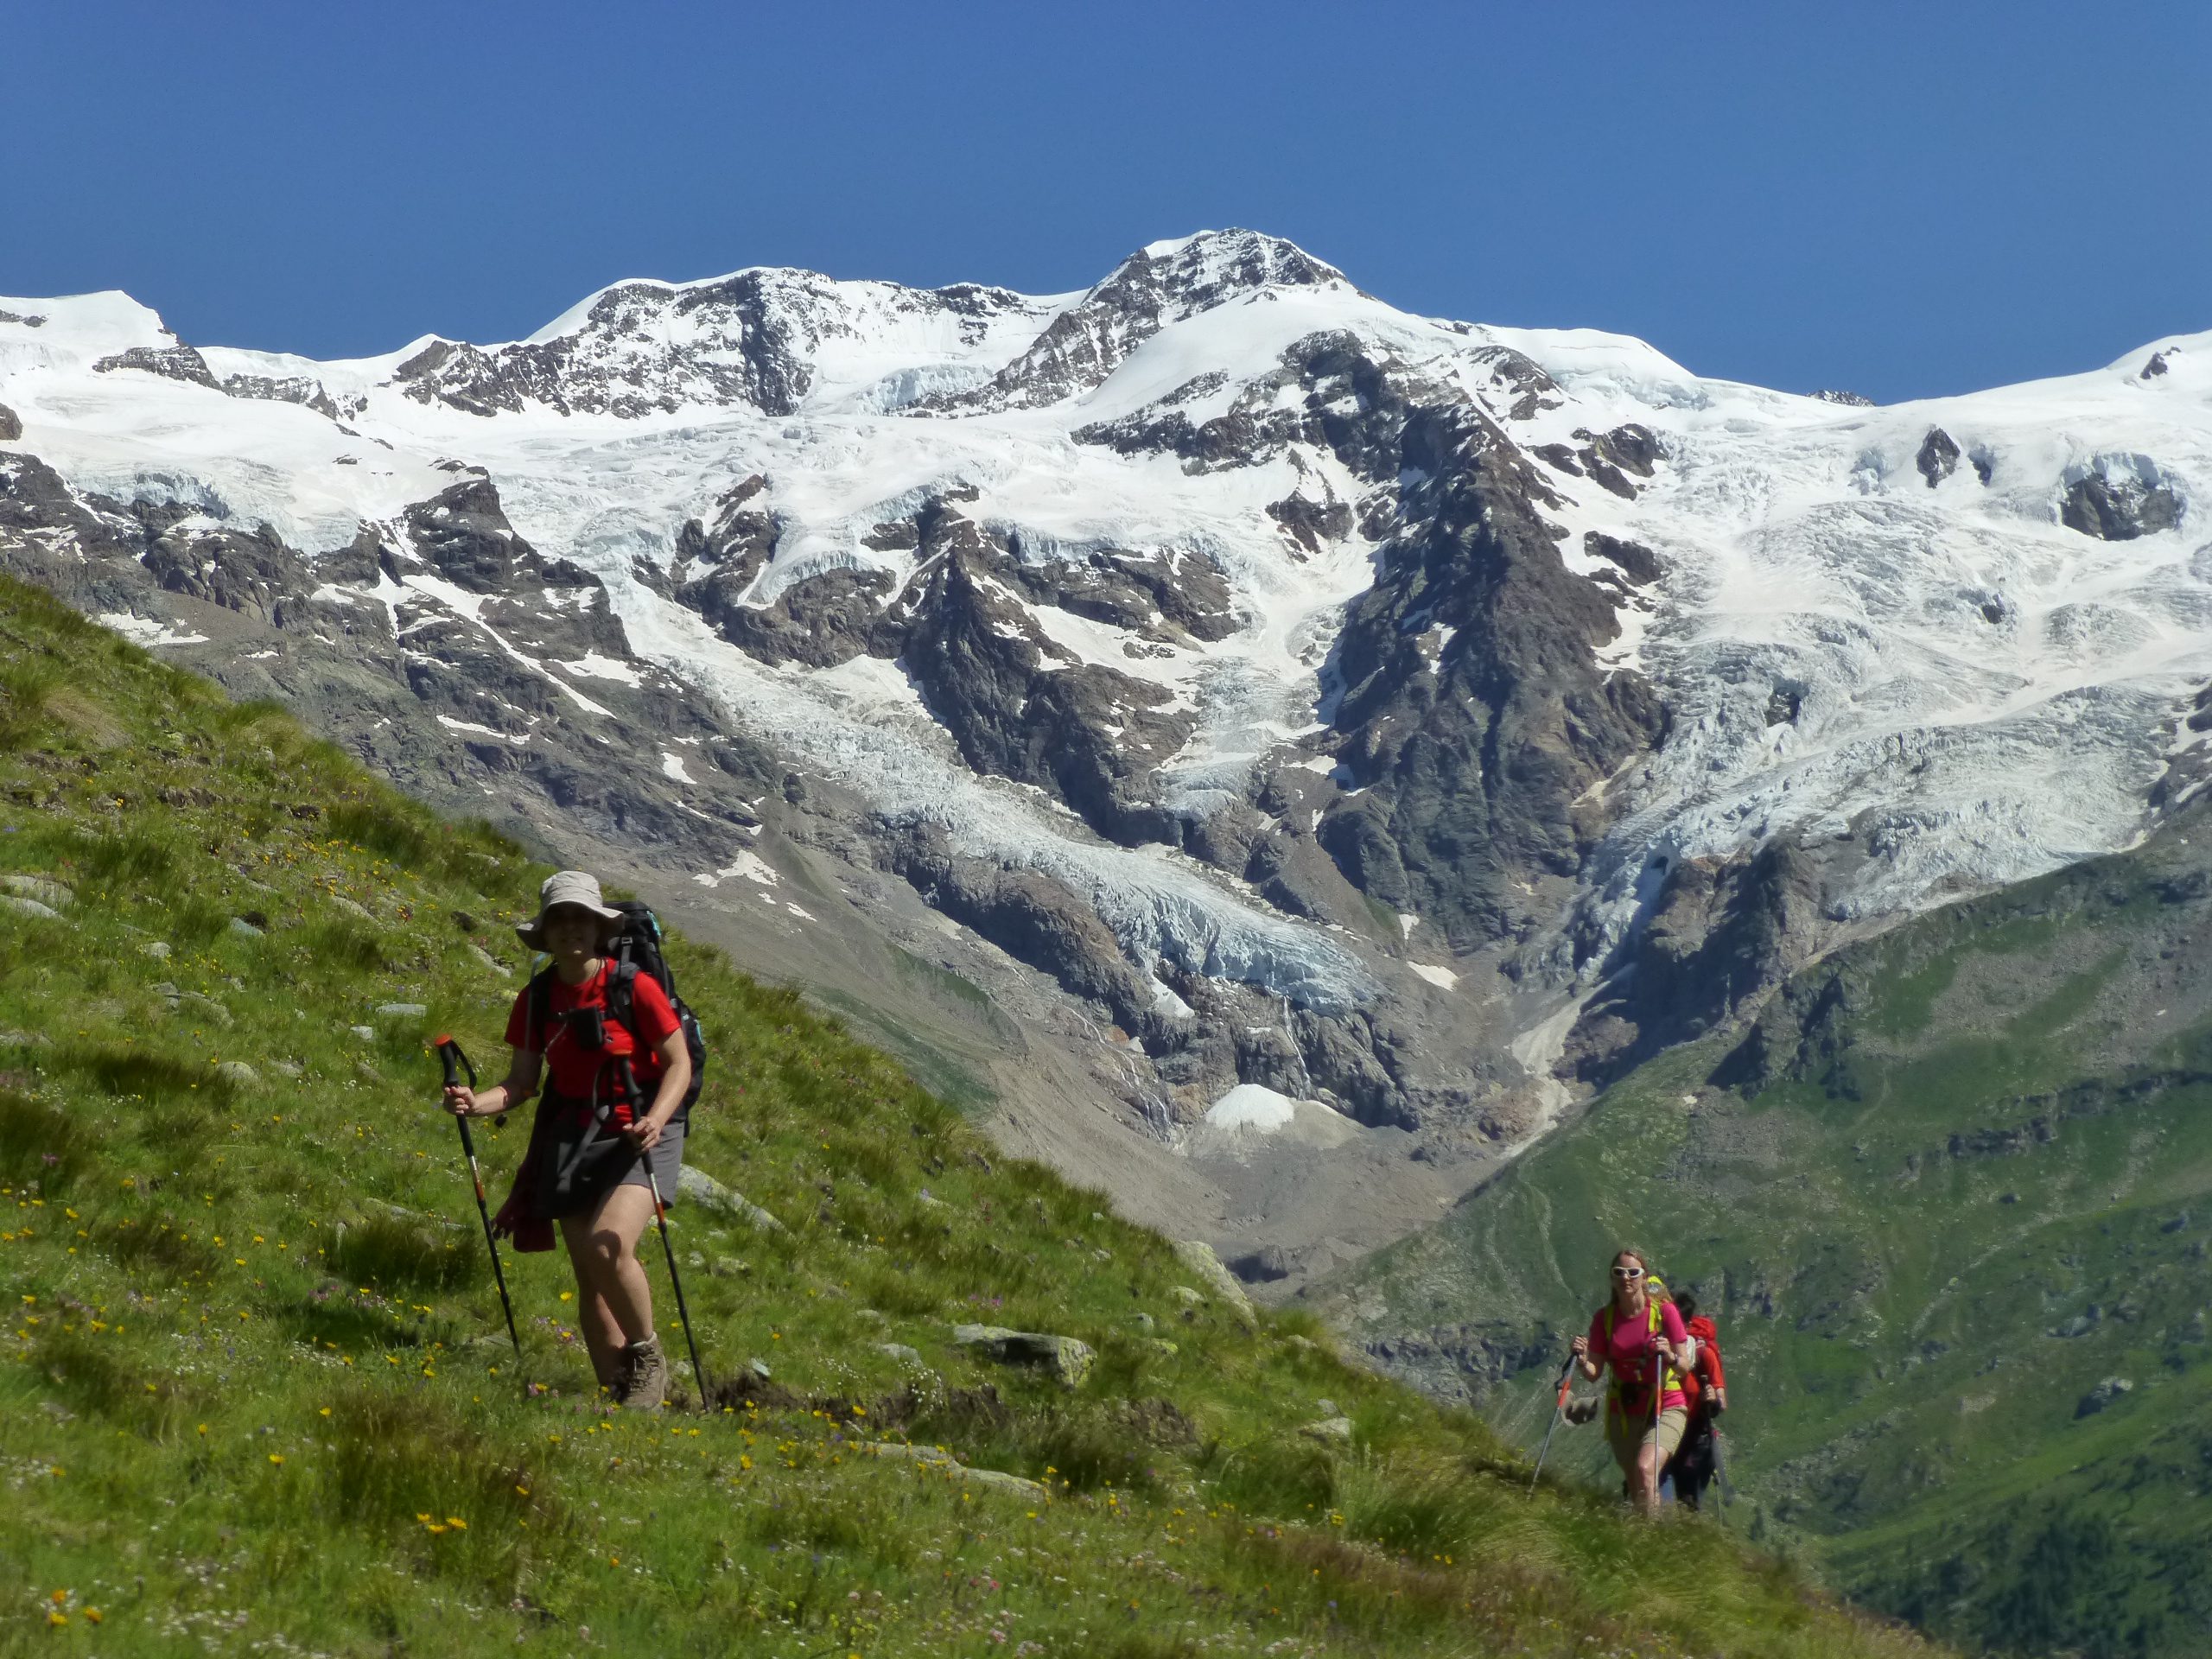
(1645, 1343)
(1706, 1387)
(590, 1151)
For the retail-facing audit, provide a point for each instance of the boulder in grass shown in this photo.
(403, 1010)
(40, 889)
(709, 1193)
(1063, 1356)
(1330, 1430)
(22, 906)
(239, 1074)
(1199, 1258)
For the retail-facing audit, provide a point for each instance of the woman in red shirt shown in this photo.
(589, 1152)
(1644, 1341)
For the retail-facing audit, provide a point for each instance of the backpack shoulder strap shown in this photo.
(538, 1010)
(622, 996)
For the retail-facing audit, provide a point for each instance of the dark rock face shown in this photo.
(2119, 509)
(1092, 338)
(1030, 918)
(1019, 706)
(748, 340)
(11, 425)
(2156, 366)
(1719, 935)
(554, 759)
(1939, 456)
(252, 574)
(1639, 564)
(1470, 763)
(1846, 400)
(171, 362)
(296, 389)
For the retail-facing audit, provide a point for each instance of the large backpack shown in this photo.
(634, 950)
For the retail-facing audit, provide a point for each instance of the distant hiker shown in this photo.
(589, 1022)
(1644, 1341)
(1705, 1385)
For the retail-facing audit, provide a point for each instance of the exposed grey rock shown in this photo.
(1198, 1256)
(1846, 400)
(352, 907)
(1330, 1430)
(291, 1069)
(171, 362)
(2102, 1395)
(157, 948)
(403, 1010)
(1720, 935)
(367, 1034)
(2156, 366)
(202, 1007)
(239, 1074)
(899, 1351)
(1067, 1359)
(1090, 338)
(2119, 509)
(245, 929)
(945, 1463)
(1939, 456)
(11, 425)
(704, 1190)
(44, 888)
(29, 907)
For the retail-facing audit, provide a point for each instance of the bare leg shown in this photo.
(603, 1246)
(1645, 1480)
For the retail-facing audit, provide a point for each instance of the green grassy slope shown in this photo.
(1956, 1180)
(254, 1395)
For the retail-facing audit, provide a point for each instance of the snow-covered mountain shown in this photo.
(1294, 694)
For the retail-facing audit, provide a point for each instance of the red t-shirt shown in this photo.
(574, 1071)
(1629, 1351)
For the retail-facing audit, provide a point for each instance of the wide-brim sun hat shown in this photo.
(571, 887)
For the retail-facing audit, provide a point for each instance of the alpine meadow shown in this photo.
(258, 1396)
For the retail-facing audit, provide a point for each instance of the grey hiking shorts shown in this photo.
(578, 1169)
(665, 1160)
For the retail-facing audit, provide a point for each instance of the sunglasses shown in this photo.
(1628, 1273)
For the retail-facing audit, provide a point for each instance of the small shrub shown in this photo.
(40, 1143)
(26, 686)
(384, 828)
(134, 857)
(390, 1253)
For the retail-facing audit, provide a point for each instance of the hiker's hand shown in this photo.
(1720, 1401)
(1581, 1347)
(460, 1101)
(644, 1133)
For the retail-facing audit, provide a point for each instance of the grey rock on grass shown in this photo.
(1066, 1358)
(709, 1193)
(1198, 1256)
(45, 889)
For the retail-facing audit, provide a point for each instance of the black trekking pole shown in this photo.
(660, 1215)
(1558, 1410)
(1721, 1467)
(449, 1054)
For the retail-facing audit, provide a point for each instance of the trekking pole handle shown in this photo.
(448, 1054)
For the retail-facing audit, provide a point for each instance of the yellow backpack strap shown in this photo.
(1670, 1377)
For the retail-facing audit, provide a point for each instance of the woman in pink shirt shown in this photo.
(1644, 1341)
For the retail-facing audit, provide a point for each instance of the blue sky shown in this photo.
(1903, 199)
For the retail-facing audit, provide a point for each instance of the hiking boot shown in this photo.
(647, 1385)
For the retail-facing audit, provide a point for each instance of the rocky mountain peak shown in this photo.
(1160, 284)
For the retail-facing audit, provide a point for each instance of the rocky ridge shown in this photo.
(1291, 694)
